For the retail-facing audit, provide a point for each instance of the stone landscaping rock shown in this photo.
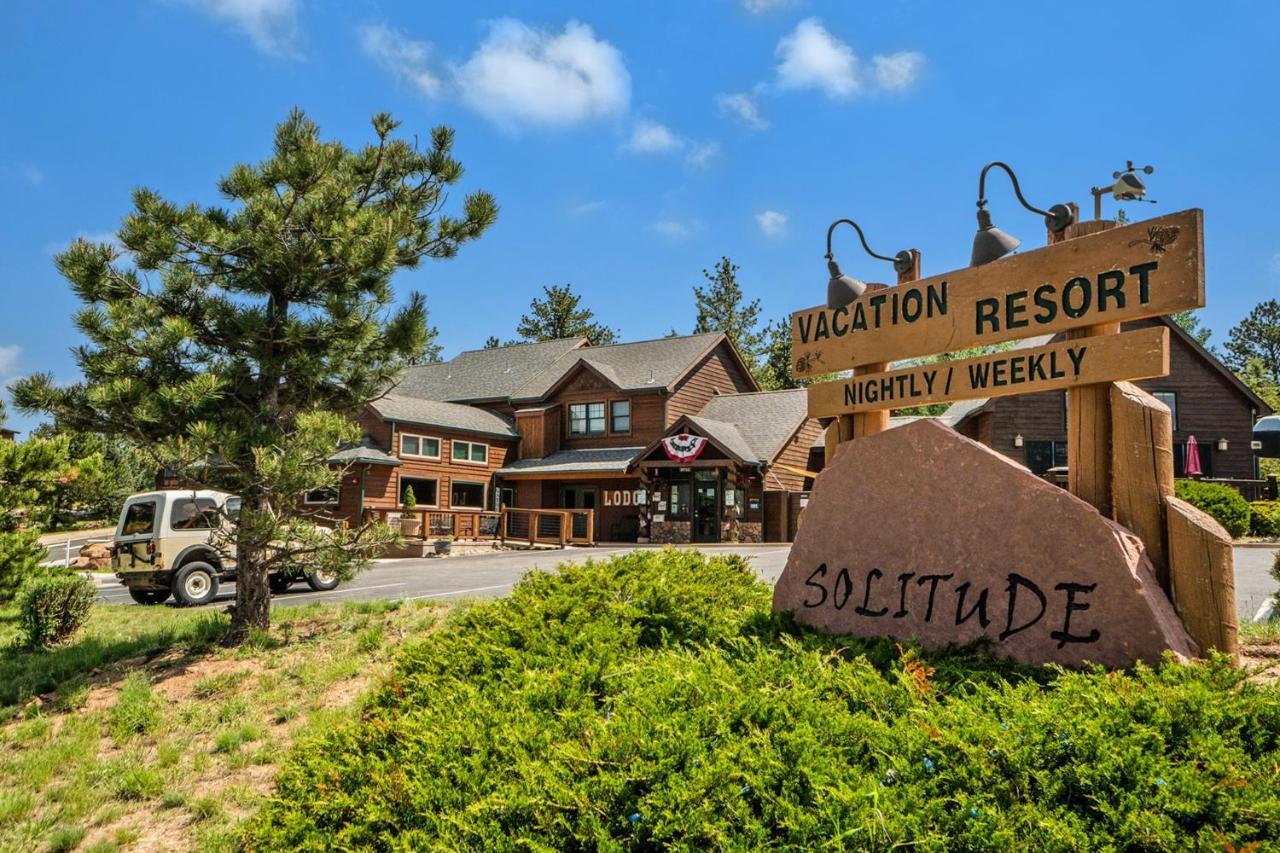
(919, 532)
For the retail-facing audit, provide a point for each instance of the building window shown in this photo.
(620, 416)
(140, 518)
(464, 495)
(470, 451)
(1170, 399)
(321, 497)
(419, 446)
(1205, 451)
(1043, 455)
(679, 500)
(426, 492)
(587, 419)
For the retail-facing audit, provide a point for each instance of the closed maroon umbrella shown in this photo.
(1193, 457)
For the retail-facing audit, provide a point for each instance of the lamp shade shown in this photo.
(842, 289)
(990, 243)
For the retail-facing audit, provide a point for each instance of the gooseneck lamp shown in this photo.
(990, 242)
(843, 289)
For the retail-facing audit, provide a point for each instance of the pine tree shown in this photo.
(29, 472)
(1256, 336)
(559, 315)
(722, 308)
(1190, 323)
(492, 342)
(242, 338)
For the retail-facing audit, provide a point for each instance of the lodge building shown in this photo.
(564, 424)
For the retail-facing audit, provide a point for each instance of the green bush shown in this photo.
(1265, 519)
(1224, 503)
(53, 608)
(652, 701)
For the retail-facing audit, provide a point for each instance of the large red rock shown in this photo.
(919, 532)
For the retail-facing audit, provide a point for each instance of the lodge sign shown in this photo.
(1147, 269)
(1140, 354)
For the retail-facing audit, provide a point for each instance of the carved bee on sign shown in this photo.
(1159, 238)
(805, 363)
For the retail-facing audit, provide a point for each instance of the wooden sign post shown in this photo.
(1078, 289)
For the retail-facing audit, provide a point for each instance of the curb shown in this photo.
(1267, 611)
(1273, 546)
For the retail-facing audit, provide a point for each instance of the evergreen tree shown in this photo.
(1265, 384)
(29, 472)
(559, 314)
(242, 338)
(722, 308)
(1256, 336)
(1190, 322)
(492, 342)
(103, 470)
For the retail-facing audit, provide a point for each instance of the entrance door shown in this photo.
(706, 507)
(581, 497)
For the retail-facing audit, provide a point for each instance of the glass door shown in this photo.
(581, 497)
(706, 507)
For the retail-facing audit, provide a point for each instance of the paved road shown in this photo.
(488, 575)
(479, 576)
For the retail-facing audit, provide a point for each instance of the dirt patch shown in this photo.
(1264, 658)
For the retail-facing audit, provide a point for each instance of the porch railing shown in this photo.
(1253, 490)
(535, 526)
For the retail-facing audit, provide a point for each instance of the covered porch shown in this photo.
(594, 479)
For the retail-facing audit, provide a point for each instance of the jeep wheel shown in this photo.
(280, 582)
(321, 580)
(149, 596)
(195, 584)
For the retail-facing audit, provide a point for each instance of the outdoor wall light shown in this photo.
(1222, 444)
(843, 289)
(990, 243)
(1017, 440)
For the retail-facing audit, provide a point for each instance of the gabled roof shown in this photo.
(639, 366)
(483, 374)
(434, 413)
(364, 452)
(765, 419)
(726, 435)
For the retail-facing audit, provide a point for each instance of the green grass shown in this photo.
(149, 733)
(653, 701)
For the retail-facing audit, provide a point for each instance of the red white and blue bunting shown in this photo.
(683, 447)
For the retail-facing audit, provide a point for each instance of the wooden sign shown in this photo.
(1140, 354)
(1143, 270)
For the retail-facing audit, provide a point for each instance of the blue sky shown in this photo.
(631, 145)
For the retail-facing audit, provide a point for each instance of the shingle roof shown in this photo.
(895, 421)
(726, 435)
(632, 367)
(592, 460)
(765, 419)
(457, 416)
(364, 452)
(483, 374)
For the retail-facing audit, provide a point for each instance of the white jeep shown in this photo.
(164, 546)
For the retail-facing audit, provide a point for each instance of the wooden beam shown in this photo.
(1140, 354)
(1202, 577)
(1142, 469)
(1143, 270)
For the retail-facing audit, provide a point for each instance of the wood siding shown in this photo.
(539, 431)
(586, 387)
(1209, 407)
(795, 454)
(382, 482)
(716, 373)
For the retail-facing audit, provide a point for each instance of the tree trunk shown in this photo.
(253, 595)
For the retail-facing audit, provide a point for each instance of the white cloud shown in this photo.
(812, 58)
(522, 76)
(772, 223)
(744, 108)
(272, 25)
(897, 72)
(405, 58)
(586, 208)
(762, 7)
(10, 359)
(649, 137)
(701, 154)
(677, 229)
